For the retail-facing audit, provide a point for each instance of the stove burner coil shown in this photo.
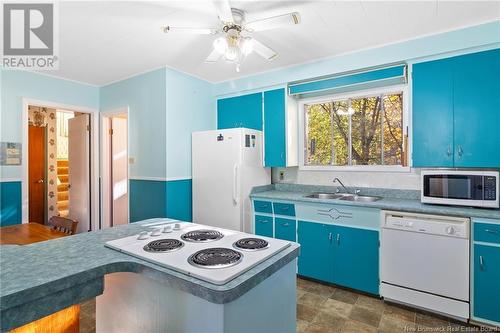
(163, 245)
(202, 235)
(217, 257)
(251, 244)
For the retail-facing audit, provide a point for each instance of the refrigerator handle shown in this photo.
(235, 184)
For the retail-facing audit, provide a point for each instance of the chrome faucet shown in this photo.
(336, 180)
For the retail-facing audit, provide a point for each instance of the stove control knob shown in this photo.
(177, 226)
(167, 229)
(156, 232)
(450, 230)
(143, 235)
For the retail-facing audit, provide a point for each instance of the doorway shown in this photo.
(114, 159)
(59, 165)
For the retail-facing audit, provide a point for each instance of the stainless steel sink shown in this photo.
(360, 198)
(324, 196)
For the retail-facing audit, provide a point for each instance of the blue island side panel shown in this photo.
(10, 203)
(179, 199)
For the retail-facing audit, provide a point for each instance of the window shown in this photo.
(358, 130)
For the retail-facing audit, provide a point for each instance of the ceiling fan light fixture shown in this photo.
(220, 45)
(246, 45)
(231, 53)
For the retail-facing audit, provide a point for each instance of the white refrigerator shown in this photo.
(226, 164)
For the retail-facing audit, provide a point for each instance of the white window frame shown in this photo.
(359, 93)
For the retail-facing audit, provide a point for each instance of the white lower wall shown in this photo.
(394, 180)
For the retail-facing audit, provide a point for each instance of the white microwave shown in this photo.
(460, 187)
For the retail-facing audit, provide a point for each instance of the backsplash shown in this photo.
(388, 180)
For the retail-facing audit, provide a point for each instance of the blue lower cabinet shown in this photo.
(486, 282)
(264, 225)
(284, 229)
(316, 254)
(356, 258)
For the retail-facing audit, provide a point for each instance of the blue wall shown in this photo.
(484, 35)
(178, 199)
(14, 86)
(145, 95)
(10, 207)
(165, 107)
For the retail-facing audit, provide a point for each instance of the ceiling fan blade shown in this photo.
(263, 51)
(274, 22)
(198, 31)
(223, 10)
(213, 56)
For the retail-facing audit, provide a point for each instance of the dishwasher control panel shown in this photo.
(453, 227)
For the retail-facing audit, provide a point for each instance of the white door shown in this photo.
(216, 172)
(79, 174)
(119, 170)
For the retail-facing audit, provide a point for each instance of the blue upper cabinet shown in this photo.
(433, 114)
(477, 109)
(279, 112)
(240, 111)
(456, 111)
(274, 126)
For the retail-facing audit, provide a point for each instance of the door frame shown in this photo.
(104, 213)
(94, 147)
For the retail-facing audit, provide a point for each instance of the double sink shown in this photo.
(343, 197)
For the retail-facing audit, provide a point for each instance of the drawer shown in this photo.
(285, 229)
(263, 206)
(264, 226)
(284, 209)
(351, 216)
(487, 232)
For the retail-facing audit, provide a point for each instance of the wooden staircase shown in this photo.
(63, 188)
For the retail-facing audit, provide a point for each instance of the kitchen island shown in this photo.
(43, 278)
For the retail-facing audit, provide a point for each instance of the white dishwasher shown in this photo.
(424, 262)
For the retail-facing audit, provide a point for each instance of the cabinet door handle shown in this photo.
(481, 263)
(286, 224)
(330, 237)
(491, 231)
(338, 239)
(448, 151)
(460, 151)
(264, 221)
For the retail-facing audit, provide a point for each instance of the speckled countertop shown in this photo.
(399, 200)
(42, 278)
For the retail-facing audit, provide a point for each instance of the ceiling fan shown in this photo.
(236, 42)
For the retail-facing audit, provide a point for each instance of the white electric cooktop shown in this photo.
(208, 253)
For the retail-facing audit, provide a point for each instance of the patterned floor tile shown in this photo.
(345, 296)
(373, 303)
(306, 313)
(365, 316)
(338, 307)
(353, 326)
(394, 325)
(312, 300)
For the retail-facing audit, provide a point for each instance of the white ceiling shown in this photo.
(102, 42)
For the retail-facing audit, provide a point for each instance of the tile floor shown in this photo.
(324, 308)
